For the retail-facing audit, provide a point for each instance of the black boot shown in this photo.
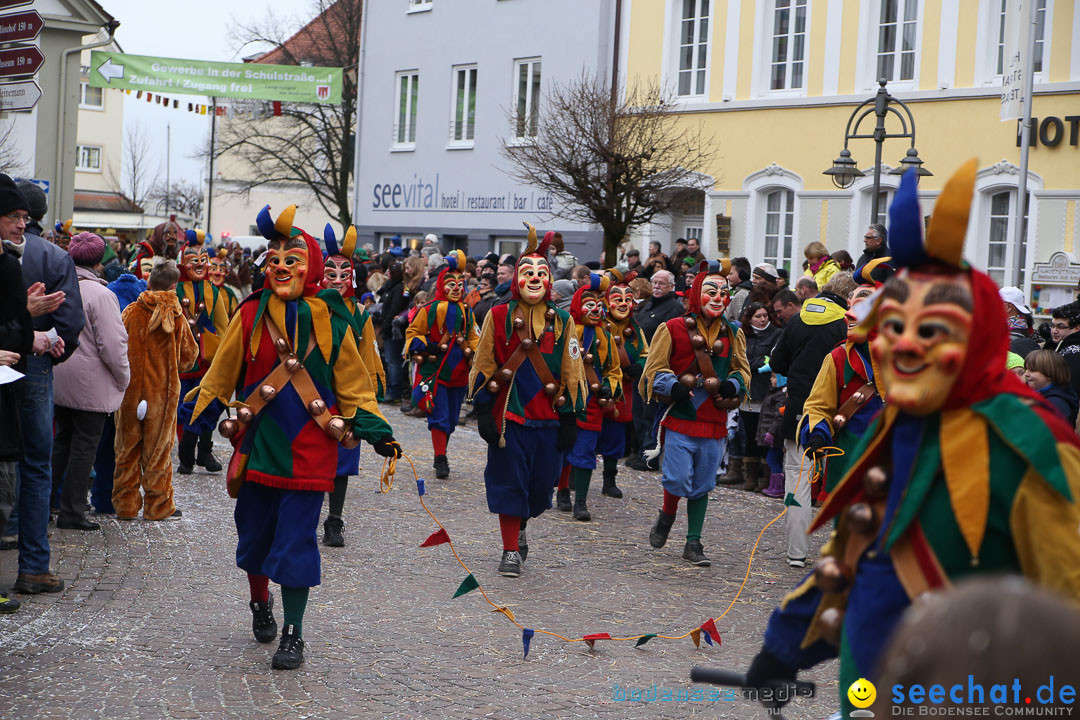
(290, 651)
(333, 531)
(581, 510)
(695, 553)
(185, 452)
(263, 624)
(658, 534)
(510, 566)
(205, 458)
(610, 488)
(442, 467)
(562, 500)
(523, 545)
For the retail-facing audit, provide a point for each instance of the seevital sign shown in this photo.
(243, 81)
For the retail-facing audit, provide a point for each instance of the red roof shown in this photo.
(104, 201)
(313, 43)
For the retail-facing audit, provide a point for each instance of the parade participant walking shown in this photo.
(217, 272)
(338, 275)
(633, 351)
(601, 364)
(160, 345)
(443, 337)
(697, 364)
(527, 385)
(965, 471)
(291, 352)
(205, 308)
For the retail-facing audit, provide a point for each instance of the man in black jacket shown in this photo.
(875, 244)
(807, 339)
(1065, 330)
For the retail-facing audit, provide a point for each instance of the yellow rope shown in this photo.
(387, 483)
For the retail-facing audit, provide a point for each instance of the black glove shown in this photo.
(432, 348)
(388, 447)
(767, 670)
(633, 371)
(605, 392)
(679, 392)
(728, 389)
(567, 433)
(816, 441)
(485, 425)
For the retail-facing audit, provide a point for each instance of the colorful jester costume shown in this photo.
(217, 271)
(965, 471)
(443, 337)
(290, 355)
(600, 362)
(338, 275)
(845, 396)
(206, 310)
(633, 350)
(528, 390)
(697, 363)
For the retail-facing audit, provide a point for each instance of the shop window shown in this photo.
(408, 84)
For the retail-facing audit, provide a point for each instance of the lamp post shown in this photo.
(844, 170)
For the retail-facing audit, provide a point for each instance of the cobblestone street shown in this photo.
(154, 621)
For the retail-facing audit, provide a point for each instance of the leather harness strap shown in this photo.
(854, 403)
(533, 353)
(281, 376)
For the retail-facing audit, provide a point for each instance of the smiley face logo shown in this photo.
(862, 693)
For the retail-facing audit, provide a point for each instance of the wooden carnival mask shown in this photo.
(217, 270)
(287, 269)
(338, 274)
(195, 262)
(620, 302)
(714, 297)
(454, 286)
(533, 279)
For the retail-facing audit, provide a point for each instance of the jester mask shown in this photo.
(294, 265)
(532, 281)
(450, 285)
(338, 271)
(620, 298)
(587, 307)
(709, 296)
(218, 269)
(194, 260)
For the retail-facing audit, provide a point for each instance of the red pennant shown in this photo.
(591, 639)
(710, 627)
(149, 97)
(277, 108)
(436, 538)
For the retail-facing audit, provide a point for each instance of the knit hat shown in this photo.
(39, 202)
(565, 288)
(1012, 360)
(767, 271)
(86, 249)
(10, 197)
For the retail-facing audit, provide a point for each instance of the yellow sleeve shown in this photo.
(418, 328)
(612, 366)
(739, 363)
(823, 401)
(370, 354)
(352, 381)
(187, 350)
(658, 362)
(1046, 528)
(221, 379)
(472, 335)
(483, 364)
(572, 370)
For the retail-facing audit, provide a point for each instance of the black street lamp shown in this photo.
(844, 170)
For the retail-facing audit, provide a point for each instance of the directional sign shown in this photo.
(8, 4)
(20, 26)
(24, 60)
(21, 95)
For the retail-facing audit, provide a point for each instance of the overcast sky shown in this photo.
(198, 29)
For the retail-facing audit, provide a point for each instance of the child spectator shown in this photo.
(159, 344)
(769, 433)
(1047, 373)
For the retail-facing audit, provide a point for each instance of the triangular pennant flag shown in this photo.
(712, 634)
(505, 611)
(644, 639)
(695, 635)
(189, 107)
(149, 97)
(526, 639)
(592, 638)
(708, 639)
(436, 538)
(790, 500)
(175, 104)
(420, 486)
(467, 585)
(277, 108)
(138, 95)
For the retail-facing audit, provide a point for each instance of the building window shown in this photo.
(419, 5)
(463, 123)
(788, 44)
(88, 158)
(405, 127)
(526, 99)
(1040, 36)
(1001, 237)
(779, 227)
(91, 97)
(693, 46)
(897, 24)
(693, 231)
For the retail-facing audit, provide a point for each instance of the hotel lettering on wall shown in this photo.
(427, 194)
(1053, 131)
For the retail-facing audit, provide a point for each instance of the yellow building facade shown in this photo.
(774, 82)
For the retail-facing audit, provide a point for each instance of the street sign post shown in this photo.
(24, 60)
(20, 95)
(20, 27)
(243, 81)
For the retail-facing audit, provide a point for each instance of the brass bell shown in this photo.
(460, 340)
(594, 387)
(201, 306)
(689, 321)
(519, 323)
(467, 352)
(628, 332)
(588, 357)
(605, 402)
(186, 302)
(292, 363)
(831, 621)
(443, 348)
(560, 401)
(711, 385)
(244, 415)
(876, 483)
(831, 575)
(839, 421)
(282, 345)
(697, 341)
(688, 380)
(618, 340)
(550, 389)
(191, 322)
(718, 346)
(549, 315)
(228, 427)
(528, 344)
(267, 392)
(349, 441)
(860, 517)
(505, 375)
(429, 358)
(493, 387)
(336, 428)
(316, 407)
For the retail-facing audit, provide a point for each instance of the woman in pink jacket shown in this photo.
(88, 386)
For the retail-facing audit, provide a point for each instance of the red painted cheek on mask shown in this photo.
(952, 361)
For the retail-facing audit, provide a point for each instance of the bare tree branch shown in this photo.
(614, 162)
(136, 175)
(12, 161)
(183, 196)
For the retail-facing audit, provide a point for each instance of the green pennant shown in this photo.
(790, 500)
(644, 639)
(467, 585)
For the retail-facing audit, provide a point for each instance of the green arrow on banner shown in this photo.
(467, 585)
(242, 81)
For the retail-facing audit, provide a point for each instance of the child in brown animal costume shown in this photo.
(160, 343)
